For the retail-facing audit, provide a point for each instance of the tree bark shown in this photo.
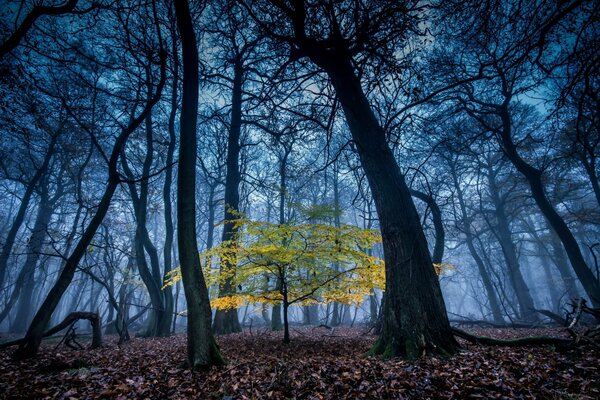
(202, 350)
(226, 321)
(414, 314)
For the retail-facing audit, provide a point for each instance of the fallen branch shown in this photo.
(70, 319)
(553, 316)
(517, 325)
(525, 341)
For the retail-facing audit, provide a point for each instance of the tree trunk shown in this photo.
(226, 321)
(485, 276)
(526, 304)
(562, 265)
(169, 230)
(276, 323)
(534, 178)
(436, 216)
(34, 334)
(20, 217)
(202, 350)
(414, 314)
(24, 285)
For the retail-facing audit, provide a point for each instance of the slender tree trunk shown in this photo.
(34, 248)
(438, 225)
(33, 337)
(485, 276)
(562, 265)
(202, 350)
(276, 323)
(142, 245)
(526, 304)
(534, 178)
(286, 305)
(169, 230)
(20, 217)
(226, 321)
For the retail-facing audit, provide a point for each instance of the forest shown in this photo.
(299, 199)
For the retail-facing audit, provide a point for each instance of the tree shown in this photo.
(34, 334)
(305, 263)
(414, 315)
(202, 350)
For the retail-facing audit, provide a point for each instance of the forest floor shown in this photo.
(313, 366)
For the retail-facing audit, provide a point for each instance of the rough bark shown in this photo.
(414, 314)
(202, 350)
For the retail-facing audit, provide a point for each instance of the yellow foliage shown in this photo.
(319, 264)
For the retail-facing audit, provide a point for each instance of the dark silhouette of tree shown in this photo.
(202, 350)
(414, 316)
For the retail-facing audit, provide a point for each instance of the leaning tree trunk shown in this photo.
(226, 321)
(534, 178)
(438, 225)
(202, 350)
(34, 248)
(526, 304)
(20, 217)
(414, 313)
(483, 272)
(33, 337)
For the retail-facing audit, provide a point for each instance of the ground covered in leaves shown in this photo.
(313, 366)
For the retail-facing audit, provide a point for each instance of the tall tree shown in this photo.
(202, 350)
(414, 314)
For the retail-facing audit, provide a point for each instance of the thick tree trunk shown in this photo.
(226, 321)
(414, 314)
(202, 350)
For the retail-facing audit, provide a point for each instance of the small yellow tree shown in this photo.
(312, 263)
